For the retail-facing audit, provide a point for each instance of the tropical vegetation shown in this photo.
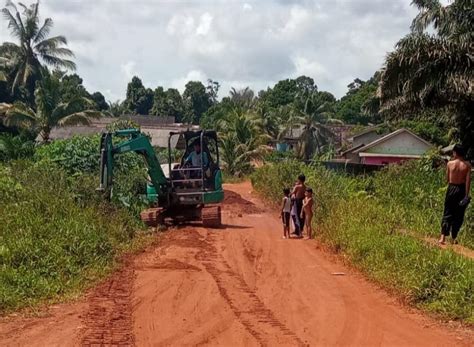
(432, 68)
(24, 61)
(50, 111)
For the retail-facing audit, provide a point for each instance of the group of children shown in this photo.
(297, 205)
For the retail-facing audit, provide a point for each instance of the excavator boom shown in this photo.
(134, 141)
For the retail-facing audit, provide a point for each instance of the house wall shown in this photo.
(353, 157)
(403, 143)
(365, 139)
(383, 160)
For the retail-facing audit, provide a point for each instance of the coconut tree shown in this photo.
(242, 97)
(24, 59)
(314, 119)
(266, 119)
(49, 111)
(433, 65)
(241, 141)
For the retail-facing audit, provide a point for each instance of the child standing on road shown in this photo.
(307, 212)
(285, 213)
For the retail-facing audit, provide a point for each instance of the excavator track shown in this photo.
(152, 217)
(211, 217)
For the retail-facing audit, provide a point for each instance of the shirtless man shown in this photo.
(298, 195)
(457, 196)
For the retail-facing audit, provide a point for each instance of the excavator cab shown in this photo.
(199, 165)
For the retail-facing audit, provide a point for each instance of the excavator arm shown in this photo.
(133, 141)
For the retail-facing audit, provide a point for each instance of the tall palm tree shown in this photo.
(314, 119)
(242, 141)
(266, 119)
(433, 65)
(243, 97)
(34, 47)
(50, 111)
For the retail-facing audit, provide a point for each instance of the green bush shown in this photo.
(80, 154)
(15, 147)
(56, 234)
(380, 221)
(79, 157)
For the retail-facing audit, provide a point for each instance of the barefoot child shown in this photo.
(307, 212)
(285, 213)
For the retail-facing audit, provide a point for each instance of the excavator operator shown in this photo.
(194, 160)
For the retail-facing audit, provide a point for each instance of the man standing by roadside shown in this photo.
(457, 196)
(298, 195)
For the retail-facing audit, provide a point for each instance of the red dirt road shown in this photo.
(239, 286)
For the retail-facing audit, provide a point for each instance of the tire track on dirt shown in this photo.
(108, 321)
(249, 309)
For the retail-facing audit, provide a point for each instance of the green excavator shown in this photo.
(190, 190)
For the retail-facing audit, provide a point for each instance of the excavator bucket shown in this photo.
(211, 217)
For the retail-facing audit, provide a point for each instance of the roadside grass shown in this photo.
(57, 237)
(363, 217)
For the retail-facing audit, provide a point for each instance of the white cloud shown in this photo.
(128, 69)
(310, 67)
(297, 21)
(204, 26)
(179, 24)
(247, 7)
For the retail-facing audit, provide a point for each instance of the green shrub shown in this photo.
(380, 221)
(56, 234)
(80, 154)
(15, 147)
(79, 157)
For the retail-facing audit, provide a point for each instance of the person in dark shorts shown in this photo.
(285, 213)
(457, 196)
(298, 194)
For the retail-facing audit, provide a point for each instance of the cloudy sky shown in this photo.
(238, 43)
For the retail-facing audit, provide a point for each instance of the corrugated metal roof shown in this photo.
(389, 136)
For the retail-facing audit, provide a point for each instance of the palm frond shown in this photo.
(32, 20)
(19, 114)
(83, 117)
(52, 42)
(78, 104)
(4, 107)
(58, 62)
(43, 32)
(15, 28)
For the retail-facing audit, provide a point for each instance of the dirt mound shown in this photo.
(234, 202)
